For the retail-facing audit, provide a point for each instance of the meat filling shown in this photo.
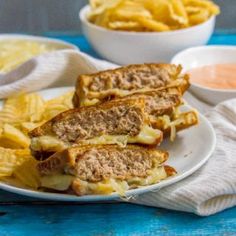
(119, 120)
(96, 166)
(102, 162)
(133, 78)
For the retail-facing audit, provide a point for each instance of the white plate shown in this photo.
(189, 152)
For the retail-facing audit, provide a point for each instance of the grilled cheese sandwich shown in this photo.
(103, 169)
(110, 84)
(119, 122)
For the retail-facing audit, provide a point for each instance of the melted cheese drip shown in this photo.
(63, 182)
(48, 143)
(147, 135)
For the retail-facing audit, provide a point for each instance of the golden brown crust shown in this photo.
(170, 171)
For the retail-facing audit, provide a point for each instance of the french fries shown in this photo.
(150, 15)
(18, 116)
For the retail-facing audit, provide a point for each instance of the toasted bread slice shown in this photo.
(96, 169)
(102, 86)
(121, 122)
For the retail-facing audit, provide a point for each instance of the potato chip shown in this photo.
(131, 10)
(179, 11)
(17, 51)
(34, 107)
(26, 127)
(199, 17)
(54, 109)
(28, 107)
(125, 25)
(15, 135)
(10, 159)
(8, 143)
(57, 105)
(21, 114)
(153, 25)
(150, 15)
(27, 173)
(192, 10)
(65, 99)
(161, 11)
(9, 114)
(212, 8)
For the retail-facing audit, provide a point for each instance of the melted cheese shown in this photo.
(98, 96)
(89, 102)
(63, 182)
(48, 143)
(57, 182)
(147, 135)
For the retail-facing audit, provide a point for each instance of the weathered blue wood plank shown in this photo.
(110, 219)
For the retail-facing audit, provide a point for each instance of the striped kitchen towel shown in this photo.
(212, 188)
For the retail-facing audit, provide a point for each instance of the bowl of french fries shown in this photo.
(139, 31)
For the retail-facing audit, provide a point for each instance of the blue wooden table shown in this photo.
(20, 216)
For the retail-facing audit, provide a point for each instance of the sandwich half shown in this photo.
(103, 169)
(164, 110)
(119, 122)
(109, 84)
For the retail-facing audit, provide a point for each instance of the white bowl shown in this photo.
(55, 42)
(207, 55)
(139, 47)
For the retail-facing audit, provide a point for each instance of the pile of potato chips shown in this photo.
(150, 15)
(18, 116)
(14, 52)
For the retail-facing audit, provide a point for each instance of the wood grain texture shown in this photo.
(110, 219)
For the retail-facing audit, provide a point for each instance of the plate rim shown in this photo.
(114, 196)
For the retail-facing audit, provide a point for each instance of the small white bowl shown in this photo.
(56, 42)
(207, 55)
(124, 47)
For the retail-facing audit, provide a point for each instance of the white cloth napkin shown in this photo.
(209, 190)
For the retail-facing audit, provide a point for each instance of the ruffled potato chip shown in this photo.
(150, 15)
(19, 115)
(27, 173)
(127, 25)
(10, 159)
(199, 17)
(15, 135)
